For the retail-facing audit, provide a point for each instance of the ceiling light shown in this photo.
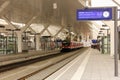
(54, 5)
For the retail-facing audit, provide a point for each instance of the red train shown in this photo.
(70, 45)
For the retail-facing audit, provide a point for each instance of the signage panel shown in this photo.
(94, 14)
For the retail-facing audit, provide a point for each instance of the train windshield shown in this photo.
(66, 43)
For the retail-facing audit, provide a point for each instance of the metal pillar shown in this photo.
(116, 41)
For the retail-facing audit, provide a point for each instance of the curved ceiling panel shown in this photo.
(21, 11)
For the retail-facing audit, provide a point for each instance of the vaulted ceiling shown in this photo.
(22, 11)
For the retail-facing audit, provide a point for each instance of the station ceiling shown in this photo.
(46, 12)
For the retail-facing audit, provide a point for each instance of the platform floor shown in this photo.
(13, 58)
(91, 65)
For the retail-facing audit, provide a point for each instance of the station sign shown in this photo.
(94, 14)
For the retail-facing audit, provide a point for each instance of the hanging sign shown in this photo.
(94, 14)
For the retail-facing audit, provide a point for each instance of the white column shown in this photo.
(19, 35)
(112, 47)
(37, 42)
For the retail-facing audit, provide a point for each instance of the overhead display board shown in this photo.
(94, 14)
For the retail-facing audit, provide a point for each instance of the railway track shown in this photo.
(33, 61)
(64, 61)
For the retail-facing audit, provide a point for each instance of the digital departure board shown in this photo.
(94, 14)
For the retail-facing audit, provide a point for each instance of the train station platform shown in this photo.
(14, 58)
(91, 65)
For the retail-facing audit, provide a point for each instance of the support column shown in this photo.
(19, 35)
(112, 48)
(116, 41)
(37, 42)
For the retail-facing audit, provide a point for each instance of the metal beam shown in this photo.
(8, 21)
(116, 2)
(32, 29)
(29, 23)
(59, 31)
(46, 26)
(4, 5)
(49, 32)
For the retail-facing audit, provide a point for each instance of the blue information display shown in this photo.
(94, 14)
(94, 41)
